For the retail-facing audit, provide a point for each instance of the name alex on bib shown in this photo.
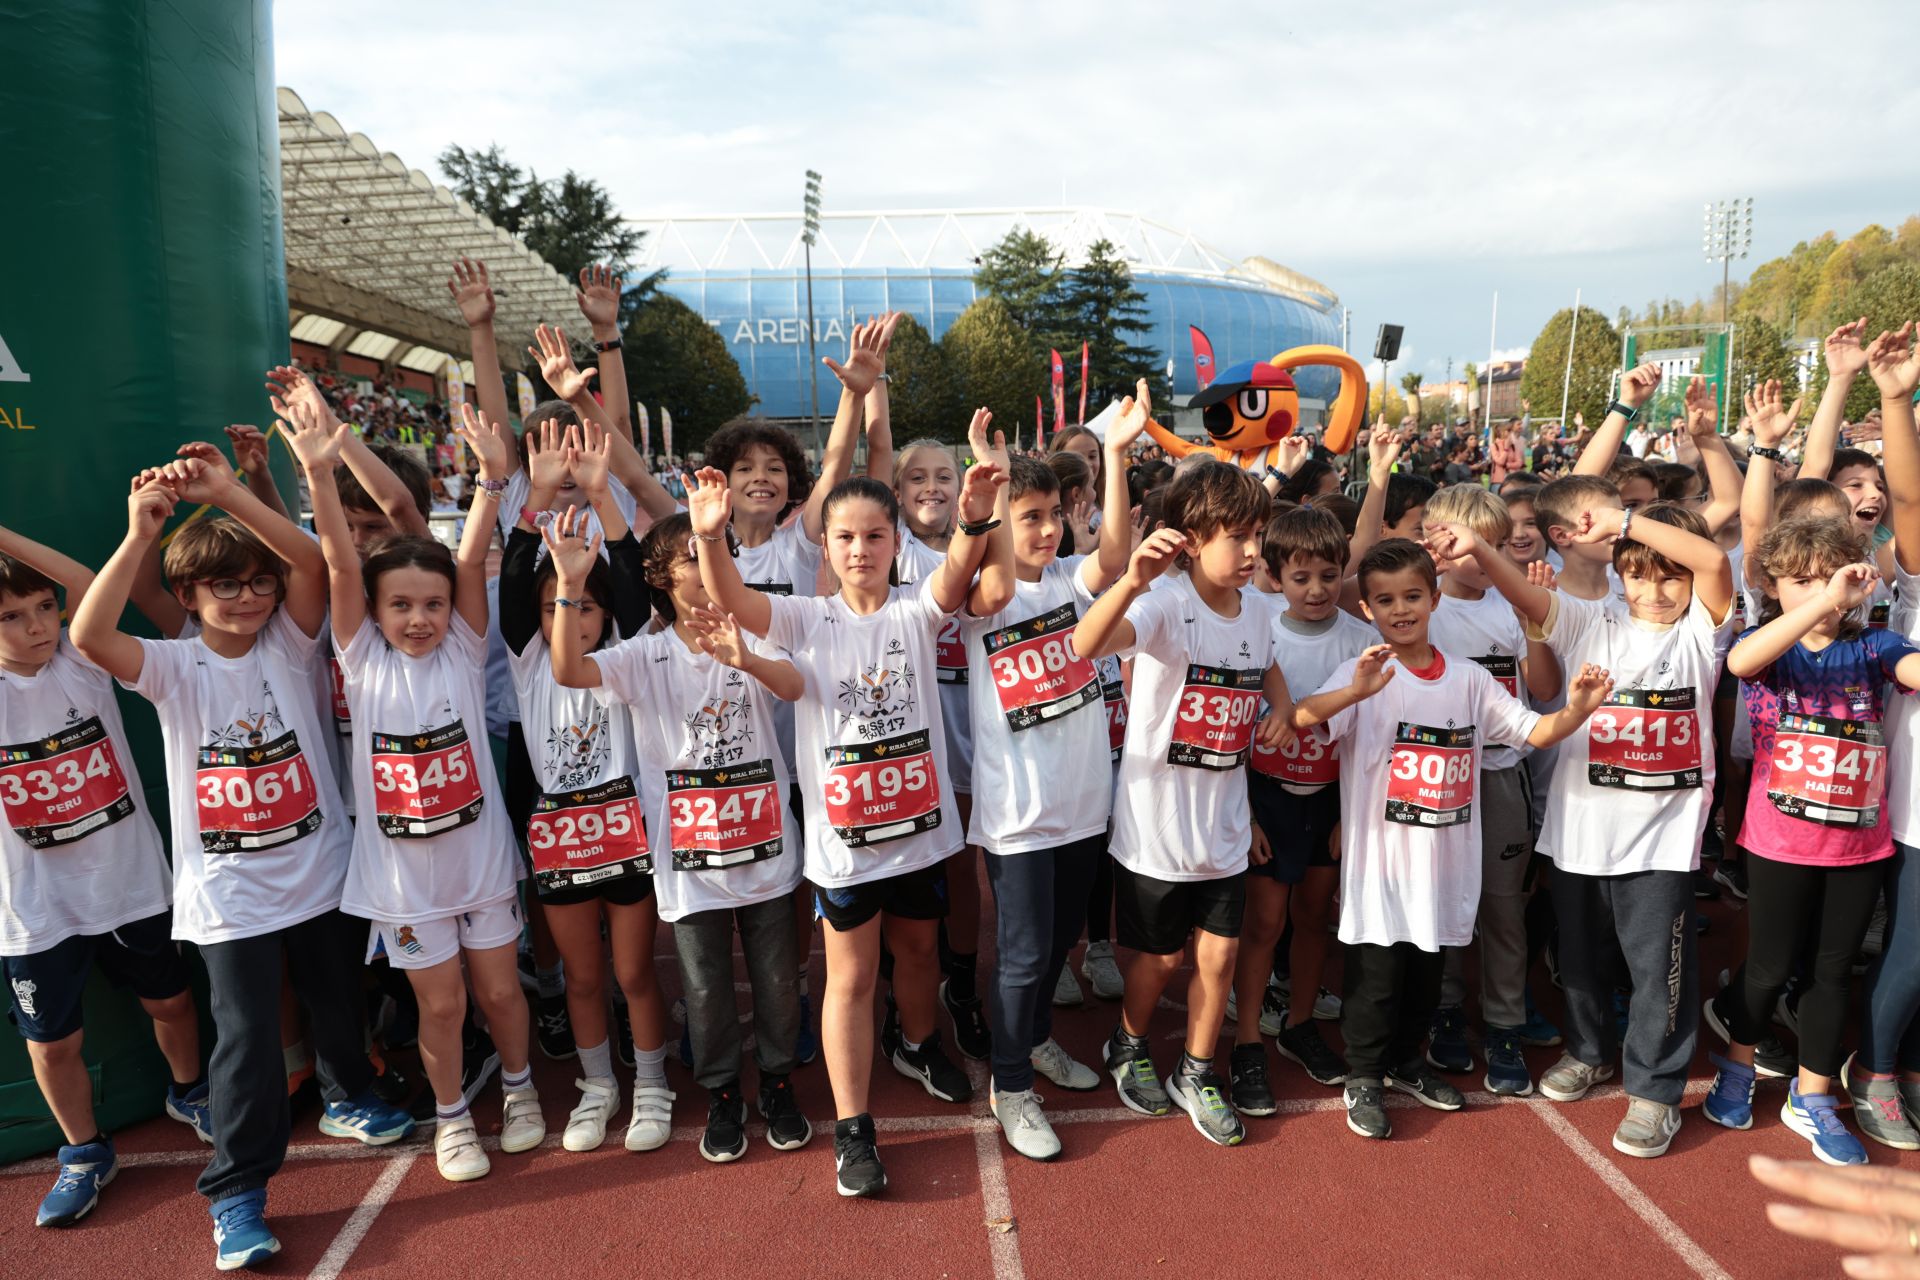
(63, 787)
(425, 784)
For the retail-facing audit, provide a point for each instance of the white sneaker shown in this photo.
(1233, 1005)
(587, 1126)
(1067, 991)
(457, 1150)
(1024, 1124)
(1326, 1005)
(1103, 975)
(652, 1123)
(1053, 1062)
(522, 1126)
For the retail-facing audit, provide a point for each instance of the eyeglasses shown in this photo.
(263, 584)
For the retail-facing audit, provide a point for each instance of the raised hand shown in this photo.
(574, 555)
(287, 385)
(547, 460)
(1371, 672)
(1448, 541)
(556, 363)
(195, 481)
(1154, 556)
(249, 447)
(1080, 520)
(316, 441)
(1291, 454)
(718, 636)
(1591, 687)
(1768, 420)
(207, 453)
(1136, 411)
(867, 354)
(590, 454)
(472, 291)
(491, 444)
(598, 297)
(1638, 384)
(709, 503)
(1602, 525)
(1540, 574)
(1895, 363)
(1850, 586)
(980, 488)
(1383, 450)
(1703, 408)
(1845, 356)
(149, 507)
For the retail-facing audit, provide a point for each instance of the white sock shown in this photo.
(446, 1115)
(514, 1081)
(650, 1065)
(596, 1061)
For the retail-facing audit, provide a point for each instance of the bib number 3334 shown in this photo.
(63, 787)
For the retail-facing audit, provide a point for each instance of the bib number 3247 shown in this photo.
(881, 791)
(1430, 777)
(63, 787)
(724, 817)
(425, 784)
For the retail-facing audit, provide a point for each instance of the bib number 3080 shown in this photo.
(1036, 673)
(881, 791)
(425, 784)
(1430, 776)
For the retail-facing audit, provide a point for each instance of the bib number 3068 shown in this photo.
(880, 791)
(1430, 777)
(63, 787)
(425, 784)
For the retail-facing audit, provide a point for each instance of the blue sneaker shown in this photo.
(240, 1235)
(807, 1047)
(1816, 1117)
(1448, 1049)
(1730, 1102)
(1507, 1073)
(83, 1171)
(367, 1119)
(190, 1109)
(1536, 1032)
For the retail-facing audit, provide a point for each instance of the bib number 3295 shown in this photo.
(881, 791)
(1213, 721)
(1430, 776)
(63, 787)
(1832, 772)
(425, 784)
(578, 838)
(254, 798)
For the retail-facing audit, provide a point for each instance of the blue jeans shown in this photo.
(1040, 903)
(1889, 1035)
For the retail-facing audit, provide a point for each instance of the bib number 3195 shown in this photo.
(881, 791)
(425, 784)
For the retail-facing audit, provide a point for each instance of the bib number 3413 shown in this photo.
(881, 791)
(425, 784)
(1645, 740)
(1430, 776)
(63, 787)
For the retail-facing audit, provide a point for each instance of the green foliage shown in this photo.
(1760, 353)
(990, 361)
(676, 359)
(572, 222)
(1106, 311)
(1888, 298)
(1396, 409)
(1596, 355)
(923, 397)
(1025, 273)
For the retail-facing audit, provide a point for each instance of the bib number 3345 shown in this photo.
(425, 784)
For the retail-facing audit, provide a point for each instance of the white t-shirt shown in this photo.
(264, 842)
(432, 838)
(1410, 761)
(787, 564)
(1180, 804)
(520, 488)
(1902, 725)
(1040, 786)
(871, 753)
(1490, 633)
(79, 853)
(1307, 653)
(1632, 787)
(709, 758)
(915, 562)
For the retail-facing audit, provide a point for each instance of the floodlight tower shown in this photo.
(810, 219)
(1727, 234)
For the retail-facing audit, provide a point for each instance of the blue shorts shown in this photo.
(1299, 829)
(44, 989)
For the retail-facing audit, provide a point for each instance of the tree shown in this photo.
(675, 359)
(922, 396)
(1410, 383)
(1396, 404)
(1596, 355)
(1106, 311)
(991, 361)
(1024, 271)
(1759, 353)
(572, 223)
(1888, 299)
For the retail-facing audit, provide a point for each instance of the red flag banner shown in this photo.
(1083, 384)
(1203, 369)
(1039, 424)
(646, 433)
(1059, 394)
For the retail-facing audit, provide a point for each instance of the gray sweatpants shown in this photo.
(1650, 916)
(1506, 849)
(705, 943)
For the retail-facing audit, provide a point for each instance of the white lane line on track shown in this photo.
(1003, 1230)
(333, 1263)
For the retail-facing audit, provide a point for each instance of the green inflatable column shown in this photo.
(142, 296)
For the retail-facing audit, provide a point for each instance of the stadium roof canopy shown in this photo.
(371, 242)
(951, 239)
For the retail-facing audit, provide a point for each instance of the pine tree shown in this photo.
(1024, 272)
(1108, 312)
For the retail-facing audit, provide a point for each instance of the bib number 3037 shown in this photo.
(1430, 777)
(1213, 721)
(63, 787)
(425, 784)
(578, 838)
(881, 791)
(724, 817)
(1036, 674)
(254, 798)
(1832, 772)
(1645, 740)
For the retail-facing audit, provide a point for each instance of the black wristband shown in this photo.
(610, 345)
(975, 530)
(1276, 473)
(1624, 411)
(1765, 451)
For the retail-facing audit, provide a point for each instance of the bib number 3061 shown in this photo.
(1213, 721)
(1430, 776)
(880, 791)
(63, 787)
(254, 798)
(425, 784)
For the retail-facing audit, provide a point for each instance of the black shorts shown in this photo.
(44, 989)
(1299, 829)
(1157, 915)
(912, 895)
(626, 891)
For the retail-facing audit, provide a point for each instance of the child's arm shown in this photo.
(1636, 388)
(316, 444)
(1847, 589)
(1370, 675)
(1770, 425)
(574, 386)
(1110, 560)
(1712, 576)
(589, 451)
(866, 361)
(1104, 628)
(473, 294)
(287, 385)
(982, 496)
(1896, 371)
(95, 629)
(546, 467)
(710, 507)
(573, 560)
(251, 454)
(719, 637)
(1723, 477)
(1591, 687)
(1541, 670)
(75, 577)
(1275, 729)
(1450, 541)
(880, 433)
(150, 594)
(1383, 450)
(493, 446)
(1845, 359)
(598, 298)
(993, 590)
(306, 598)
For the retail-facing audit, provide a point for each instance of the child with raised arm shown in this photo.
(1629, 800)
(1202, 648)
(434, 863)
(260, 845)
(1410, 738)
(871, 760)
(83, 877)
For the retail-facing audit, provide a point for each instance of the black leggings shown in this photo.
(1791, 908)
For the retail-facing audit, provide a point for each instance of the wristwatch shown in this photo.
(538, 519)
(1765, 451)
(974, 530)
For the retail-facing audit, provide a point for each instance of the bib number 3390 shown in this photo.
(880, 791)
(1430, 776)
(425, 784)
(1213, 721)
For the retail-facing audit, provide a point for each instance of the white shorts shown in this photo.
(426, 943)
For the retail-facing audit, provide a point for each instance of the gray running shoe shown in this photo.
(1648, 1129)
(1057, 1065)
(1067, 992)
(1203, 1096)
(1569, 1079)
(1879, 1108)
(1132, 1070)
(1367, 1108)
(1024, 1124)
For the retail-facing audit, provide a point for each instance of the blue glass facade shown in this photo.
(761, 314)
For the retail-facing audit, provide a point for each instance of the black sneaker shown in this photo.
(1247, 1067)
(856, 1158)
(394, 1087)
(787, 1129)
(1703, 886)
(969, 1023)
(1425, 1087)
(890, 1036)
(553, 1028)
(933, 1069)
(726, 1135)
(1367, 1109)
(1771, 1059)
(1732, 876)
(478, 1061)
(622, 1033)
(1305, 1046)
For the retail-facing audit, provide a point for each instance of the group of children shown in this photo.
(831, 698)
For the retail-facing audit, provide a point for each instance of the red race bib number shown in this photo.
(1878, 613)
(1036, 674)
(578, 838)
(1645, 740)
(254, 798)
(1832, 772)
(342, 714)
(1505, 669)
(950, 653)
(1115, 694)
(63, 787)
(882, 791)
(1213, 721)
(425, 784)
(724, 817)
(1305, 761)
(1430, 776)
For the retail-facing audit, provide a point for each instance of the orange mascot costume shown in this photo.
(1254, 405)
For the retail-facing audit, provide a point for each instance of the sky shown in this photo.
(1417, 157)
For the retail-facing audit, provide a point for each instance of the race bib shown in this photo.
(426, 783)
(1430, 776)
(254, 798)
(1115, 694)
(578, 838)
(64, 787)
(1832, 772)
(342, 714)
(1036, 674)
(1306, 761)
(950, 653)
(772, 588)
(1213, 723)
(1505, 669)
(724, 817)
(1878, 613)
(881, 791)
(1645, 740)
